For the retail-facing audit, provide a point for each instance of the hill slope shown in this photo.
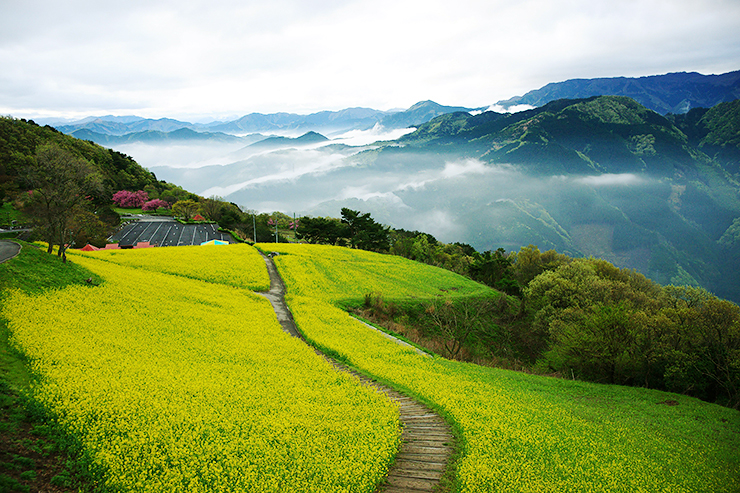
(19, 140)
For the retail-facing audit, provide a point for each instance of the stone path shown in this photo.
(426, 442)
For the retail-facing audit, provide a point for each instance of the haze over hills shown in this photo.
(602, 176)
(285, 124)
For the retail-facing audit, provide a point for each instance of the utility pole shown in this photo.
(254, 226)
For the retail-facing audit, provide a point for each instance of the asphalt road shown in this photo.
(168, 233)
(8, 250)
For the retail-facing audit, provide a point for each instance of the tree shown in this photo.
(459, 322)
(130, 200)
(495, 269)
(185, 209)
(154, 204)
(363, 232)
(528, 263)
(60, 184)
(319, 230)
(211, 207)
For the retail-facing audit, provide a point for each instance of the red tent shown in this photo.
(89, 248)
(198, 217)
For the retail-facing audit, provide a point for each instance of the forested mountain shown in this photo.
(669, 93)
(602, 176)
(20, 139)
(715, 131)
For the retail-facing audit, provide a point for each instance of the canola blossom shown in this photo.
(519, 433)
(342, 274)
(173, 384)
(238, 265)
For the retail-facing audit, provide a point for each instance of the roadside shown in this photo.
(8, 250)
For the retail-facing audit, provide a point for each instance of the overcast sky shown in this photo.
(191, 59)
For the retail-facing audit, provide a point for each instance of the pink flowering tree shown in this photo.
(127, 199)
(155, 204)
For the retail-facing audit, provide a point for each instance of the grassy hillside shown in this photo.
(519, 432)
(184, 381)
(173, 383)
(32, 454)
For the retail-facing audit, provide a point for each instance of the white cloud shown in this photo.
(609, 179)
(365, 137)
(194, 57)
(509, 109)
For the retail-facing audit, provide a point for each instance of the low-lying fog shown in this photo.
(454, 199)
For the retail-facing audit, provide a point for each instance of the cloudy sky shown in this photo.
(194, 59)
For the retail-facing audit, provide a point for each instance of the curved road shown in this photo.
(426, 441)
(8, 250)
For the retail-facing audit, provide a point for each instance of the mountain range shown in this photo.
(669, 93)
(675, 93)
(650, 181)
(112, 129)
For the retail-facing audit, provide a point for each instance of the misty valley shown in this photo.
(601, 177)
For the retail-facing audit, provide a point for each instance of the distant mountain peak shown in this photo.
(675, 92)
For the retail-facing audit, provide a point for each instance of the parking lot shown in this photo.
(168, 232)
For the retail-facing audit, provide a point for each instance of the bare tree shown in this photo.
(458, 322)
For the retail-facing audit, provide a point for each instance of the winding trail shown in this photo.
(426, 440)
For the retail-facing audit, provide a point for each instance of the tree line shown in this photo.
(579, 318)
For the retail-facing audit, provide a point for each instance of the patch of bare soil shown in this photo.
(29, 461)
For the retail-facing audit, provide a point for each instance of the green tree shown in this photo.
(529, 262)
(211, 207)
(495, 269)
(363, 232)
(61, 184)
(323, 230)
(185, 209)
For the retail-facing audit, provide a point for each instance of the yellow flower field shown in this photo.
(520, 433)
(238, 265)
(179, 385)
(341, 274)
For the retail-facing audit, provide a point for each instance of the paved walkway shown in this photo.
(426, 441)
(8, 250)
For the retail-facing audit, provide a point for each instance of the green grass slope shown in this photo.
(31, 451)
(519, 432)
